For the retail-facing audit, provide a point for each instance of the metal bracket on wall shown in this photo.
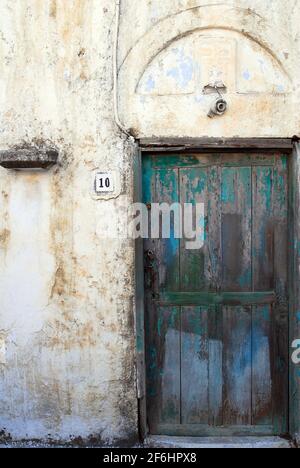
(218, 87)
(219, 106)
(29, 158)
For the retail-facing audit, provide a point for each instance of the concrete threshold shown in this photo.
(218, 442)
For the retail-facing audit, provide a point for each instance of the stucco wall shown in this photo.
(66, 311)
(67, 354)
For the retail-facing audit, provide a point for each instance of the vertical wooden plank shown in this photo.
(261, 366)
(263, 280)
(149, 244)
(214, 230)
(168, 250)
(147, 174)
(280, 314)
(237, 365)
(163, 367)
(263, 229)
(236, 228)
(237, 276)
(294, 286)
(215, 366)
(214, 274)
(151, 355)
(193, 190)
(194, 365)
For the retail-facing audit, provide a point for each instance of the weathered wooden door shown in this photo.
(217, 318)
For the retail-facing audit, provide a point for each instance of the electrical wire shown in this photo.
(116, 74)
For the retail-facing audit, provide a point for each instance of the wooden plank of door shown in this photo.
(213, 239)
(163, 366)
(168, 249)
(148, 187)
(222, 298)
(263, 229)
(237, 364)
(262, 365)
(209, 160)
(215, 321)
(280, 316)
(263, 279)
(214, 273)
(194, 366)
(236, 229)
(193, 263)
(237, 276)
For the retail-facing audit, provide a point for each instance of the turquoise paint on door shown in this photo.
(217, 317)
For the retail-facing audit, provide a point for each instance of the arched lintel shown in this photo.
(186, 23)
(214, 28)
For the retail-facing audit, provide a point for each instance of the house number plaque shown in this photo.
(104, 182)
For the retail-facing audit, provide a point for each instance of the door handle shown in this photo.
(151, 271)
(150, 254)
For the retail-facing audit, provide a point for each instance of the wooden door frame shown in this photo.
(214, 145)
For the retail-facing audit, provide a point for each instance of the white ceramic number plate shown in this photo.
(104, 182)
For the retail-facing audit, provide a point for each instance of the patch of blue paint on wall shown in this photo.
(150, 85)
(246, 75)
(183, 72)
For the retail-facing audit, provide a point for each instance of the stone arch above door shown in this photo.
(162, 78)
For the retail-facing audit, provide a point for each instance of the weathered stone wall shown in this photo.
(67, 344)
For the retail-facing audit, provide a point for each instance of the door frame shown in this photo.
(289, 146)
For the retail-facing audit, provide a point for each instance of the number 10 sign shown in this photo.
(104, 182)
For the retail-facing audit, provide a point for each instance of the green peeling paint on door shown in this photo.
(216, 318)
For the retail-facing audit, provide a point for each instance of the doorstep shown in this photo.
(217, 442)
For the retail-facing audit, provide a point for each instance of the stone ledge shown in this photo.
(32, 158)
